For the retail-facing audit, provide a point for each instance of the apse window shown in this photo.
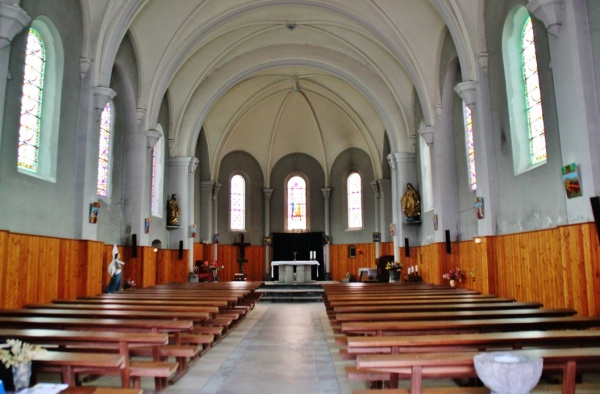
(354, 186)
(237, 212)
(296, 204)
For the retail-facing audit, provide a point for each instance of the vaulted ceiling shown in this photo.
(273, 77)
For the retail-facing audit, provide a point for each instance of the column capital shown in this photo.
(401, 157)
(152, 136)
(427, 132)
(84, 65)
(140, 113)
(12, 21)
(102, 95)
(326, 192)
(216, 188)
(375, 186)
(267, 193)
(193, 165)
(550, 12)
(468, 92)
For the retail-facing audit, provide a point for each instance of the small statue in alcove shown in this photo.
(411, 204)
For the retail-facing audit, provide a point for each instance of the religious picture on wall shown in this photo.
(376, 236)
(479, 207)
(147, 225)
(392, 229)
(435, 222)
(326, 240)
(570, 177)
(94, 209)
(193, 230)
(267, 241)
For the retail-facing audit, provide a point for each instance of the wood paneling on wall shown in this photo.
(558, 267)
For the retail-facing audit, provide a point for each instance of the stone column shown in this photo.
(404, 170)
(180, 166)
(385, 208)
(152, 137)
(206, 212)
(191, 187)
(573, 68)
(267, 193)
(215, 193)
(12, 21)
(476, 97)
(88, 137)
(376, 191)
(326, 193)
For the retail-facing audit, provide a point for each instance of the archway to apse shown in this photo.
(285, 244)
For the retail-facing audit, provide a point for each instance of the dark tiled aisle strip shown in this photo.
(285, 352)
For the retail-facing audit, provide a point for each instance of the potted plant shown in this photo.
(18, 356)
(394, 267)
(454, 275)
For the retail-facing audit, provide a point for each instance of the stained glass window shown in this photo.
(533, 99)
(237, 211)
(354, 201)
(468, 119)
(104, 151)
(31, 103)
(296, 190)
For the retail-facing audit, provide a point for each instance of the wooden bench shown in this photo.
(161, 371)
(100, 390)
(422, 327)
(67, 364)
(581, 388)
(460, 364)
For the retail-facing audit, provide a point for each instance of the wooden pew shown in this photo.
(121, 341)
(460, 364)
(422, 327)
(435, 307)
(69, 363)
(393, 344)
(452, 315)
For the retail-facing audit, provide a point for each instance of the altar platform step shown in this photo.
(291, 292)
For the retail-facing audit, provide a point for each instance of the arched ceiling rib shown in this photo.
(223, 64)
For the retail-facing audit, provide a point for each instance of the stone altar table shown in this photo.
(286, 270)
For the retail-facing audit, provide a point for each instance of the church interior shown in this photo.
(237, 143)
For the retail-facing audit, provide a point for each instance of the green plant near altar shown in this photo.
(393, 265)
(17, 352)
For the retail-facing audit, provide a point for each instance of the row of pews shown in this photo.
(418, 331)
(138, 333)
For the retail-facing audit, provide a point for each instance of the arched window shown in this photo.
(527, 130)
(237, 205)
(426, 175)
(158, 161)
(296, 204)
(40, 101)
(354, 186)
(468, 120)
(104, 151)
(533, 97)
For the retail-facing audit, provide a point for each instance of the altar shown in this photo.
(286, 270)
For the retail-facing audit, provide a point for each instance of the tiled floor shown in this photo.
(278, 348)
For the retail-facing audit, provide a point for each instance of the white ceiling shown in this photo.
(273, 77)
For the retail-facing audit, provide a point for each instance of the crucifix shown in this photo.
(242, 259)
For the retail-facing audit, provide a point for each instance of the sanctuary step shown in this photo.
(291, 292)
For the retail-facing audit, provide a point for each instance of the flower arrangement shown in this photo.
(129, 284)
(393, 265)
(455, 274)
(213, 265)
(18, 352)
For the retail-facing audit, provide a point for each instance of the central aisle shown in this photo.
(278, 348)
